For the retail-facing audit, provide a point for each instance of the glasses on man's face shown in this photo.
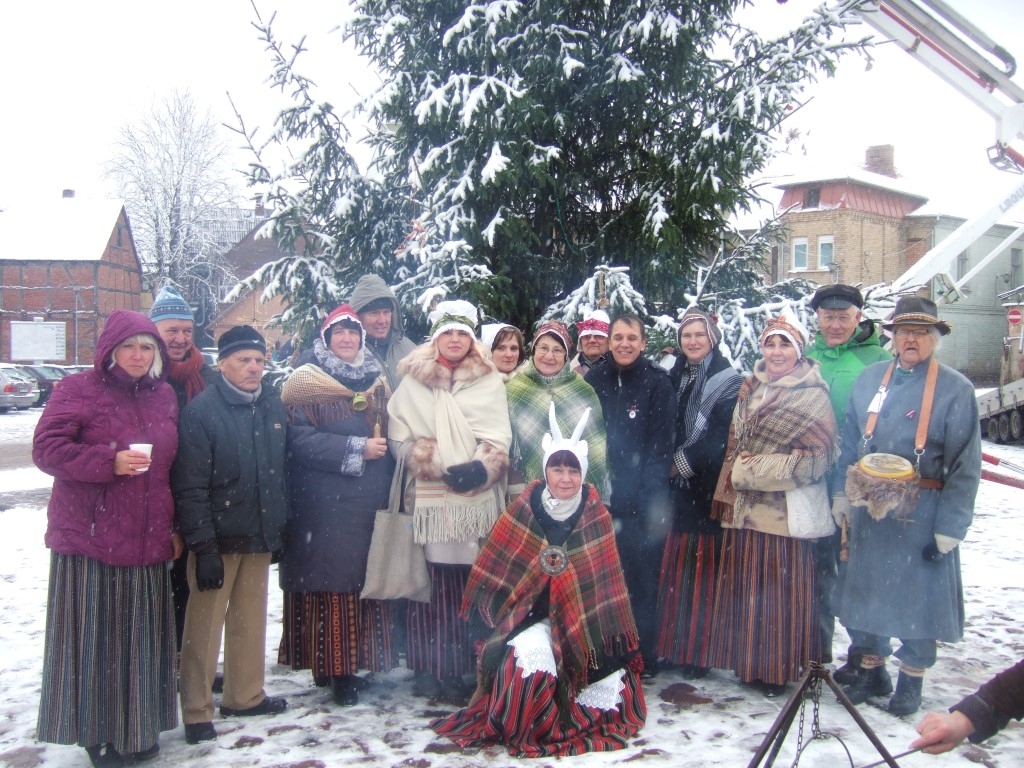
(835, 319)
(911, 333)
(556, 352)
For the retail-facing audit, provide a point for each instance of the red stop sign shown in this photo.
(1014, 316)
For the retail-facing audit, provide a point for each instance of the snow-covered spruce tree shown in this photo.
(609, 288)
(539, 140)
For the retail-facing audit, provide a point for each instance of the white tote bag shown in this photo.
(808, 512)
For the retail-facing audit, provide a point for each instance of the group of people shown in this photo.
(690, 518)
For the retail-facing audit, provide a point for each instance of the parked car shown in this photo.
(20, 386)
(46, 377)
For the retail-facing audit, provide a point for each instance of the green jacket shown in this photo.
(841, 365)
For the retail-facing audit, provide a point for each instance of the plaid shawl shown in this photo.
(528, 398)
(589, 605)
(790, 432)
(324, 399)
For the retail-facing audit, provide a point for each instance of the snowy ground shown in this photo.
(723, 725)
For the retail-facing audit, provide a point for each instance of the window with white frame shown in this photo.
(799, 253)
(963, 262)
(826, 248)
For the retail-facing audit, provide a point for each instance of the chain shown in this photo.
(812, 692)
(800, 733)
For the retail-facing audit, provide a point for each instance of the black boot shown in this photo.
(869, 682)
(104, 756)
(849, 672)
(907, 699)
(425, 684)
(345, 690)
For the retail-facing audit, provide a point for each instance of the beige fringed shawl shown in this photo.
(783, 434)
(459, 409)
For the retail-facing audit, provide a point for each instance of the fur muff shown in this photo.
(881, 495)
(422, 364)
(495, 461)
(424, 460)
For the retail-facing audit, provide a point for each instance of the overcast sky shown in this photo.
(75, 72)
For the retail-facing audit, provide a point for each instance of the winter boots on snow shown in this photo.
(872, 679)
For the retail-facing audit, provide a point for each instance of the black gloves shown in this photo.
(931, 552)
(463, 478)
(209, 571)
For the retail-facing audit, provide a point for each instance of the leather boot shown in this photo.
(907, 699)
(871, 681)
(849, 672)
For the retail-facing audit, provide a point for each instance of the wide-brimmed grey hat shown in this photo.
(915, 310)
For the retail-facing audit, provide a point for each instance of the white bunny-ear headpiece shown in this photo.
(554, 442)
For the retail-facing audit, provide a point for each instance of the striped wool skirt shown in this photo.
(686, 589)
(524, 714)
(439, 641)
(109, 655)
(336, 634)
(764, 623)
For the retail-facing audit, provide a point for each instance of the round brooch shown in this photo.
(554, 560)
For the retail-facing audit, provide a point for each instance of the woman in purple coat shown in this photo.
(108, 662)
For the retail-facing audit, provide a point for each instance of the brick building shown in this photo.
(866, 227)
(245, 257)
(72, 261)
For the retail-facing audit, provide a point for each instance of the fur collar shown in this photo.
(422, 365)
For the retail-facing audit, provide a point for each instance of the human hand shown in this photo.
(840, 509)
(209, 571)
(941, 732)
(130, 462)
(463, 478)
(177, 544)
(376, 448)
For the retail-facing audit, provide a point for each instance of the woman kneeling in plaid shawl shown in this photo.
(560, 673)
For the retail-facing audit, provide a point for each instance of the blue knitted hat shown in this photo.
(169, 305)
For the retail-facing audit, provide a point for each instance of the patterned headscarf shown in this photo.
(786, 325)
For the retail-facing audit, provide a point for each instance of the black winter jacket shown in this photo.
(228, 480)
(639, 414)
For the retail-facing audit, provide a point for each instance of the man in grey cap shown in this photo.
(844, 345)
(378, 310)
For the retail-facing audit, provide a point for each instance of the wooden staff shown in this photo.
(379, 398)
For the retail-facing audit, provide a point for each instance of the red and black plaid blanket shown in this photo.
(589, 605)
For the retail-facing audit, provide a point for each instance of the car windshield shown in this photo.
(15, 373)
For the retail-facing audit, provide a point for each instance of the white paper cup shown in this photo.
(146, 448)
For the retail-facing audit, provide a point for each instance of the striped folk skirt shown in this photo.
(439, 641)
(336, 634)
(764, 623)
(686, 589)
(525, 715)
(109, 655)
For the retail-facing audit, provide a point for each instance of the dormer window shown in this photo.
(812, 197)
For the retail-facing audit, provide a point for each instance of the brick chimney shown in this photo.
(881, 159)
(68, 193)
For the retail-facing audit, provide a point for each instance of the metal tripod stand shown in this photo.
(780, 728)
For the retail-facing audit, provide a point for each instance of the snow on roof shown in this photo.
(62, 229)
(858, 175)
